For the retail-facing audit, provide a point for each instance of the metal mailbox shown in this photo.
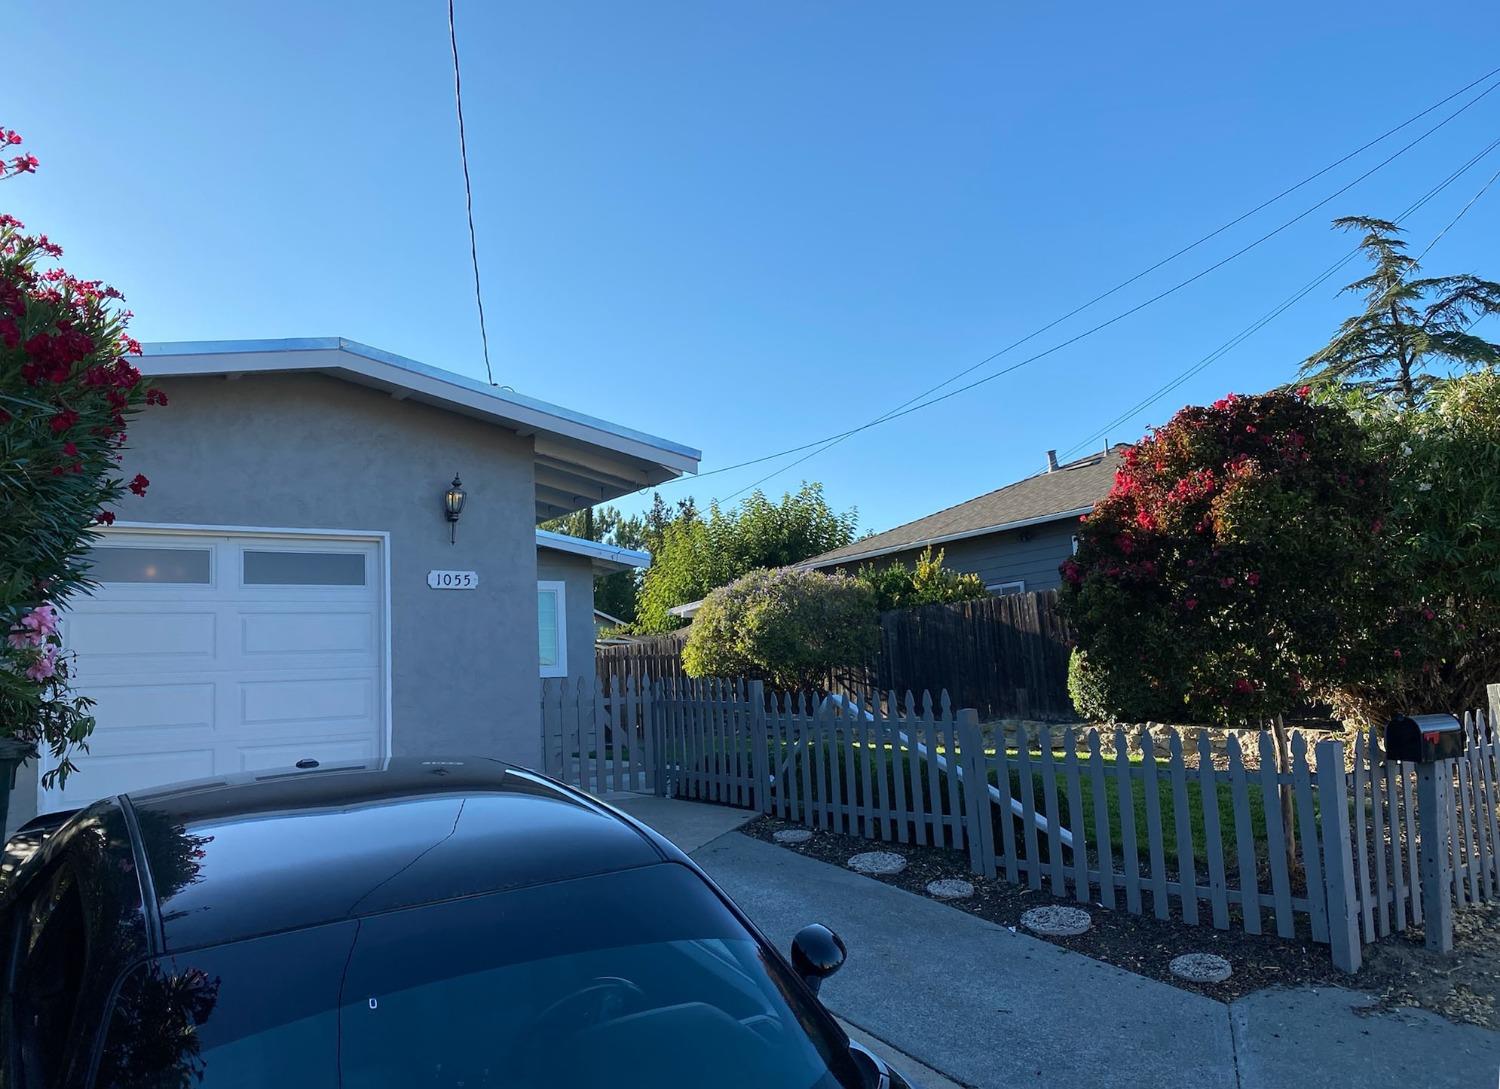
(1424, 739)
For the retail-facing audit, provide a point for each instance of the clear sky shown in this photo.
(746, 225)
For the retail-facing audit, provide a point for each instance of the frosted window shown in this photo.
(121, 563)
(304, 568)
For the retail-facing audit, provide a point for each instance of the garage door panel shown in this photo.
(106, 635)
(318, 700)
(137, 707)
(329, 632)
(103, 773)
(261, 757)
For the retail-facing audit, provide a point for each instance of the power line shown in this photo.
(910, 406)
(1461, 213)
(1260, 323)
(463, 154)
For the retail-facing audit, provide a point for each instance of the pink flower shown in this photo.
(42, 619)
(1428, 614)
(1191, 603)
(44, 667)
(1396, 652)
(1253, 578)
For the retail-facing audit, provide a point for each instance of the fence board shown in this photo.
(1312, 863)
(914, 770)
(1057, 875)
(1377, 837)
(1281, 886)
(1007, 818)
(976, 799)
(1244, 838)
(1076, 822)
(1125, 795)
(885, 801)
(1393, 776)
(1154, 843)
(1413, 854)
(1033, 861)
(1187, 864)
(1466, 814)
(1450, 801)
(954, 752)
(1208, 793)
(934, 790)
(1103, 839)
(1486, 754)
(898, 766)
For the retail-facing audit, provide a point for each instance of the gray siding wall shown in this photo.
(310, 452)
(577, 572)
(1005, 557)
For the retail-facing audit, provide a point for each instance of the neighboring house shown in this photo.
(603, 622)
(566, 617)
(1013, 538)
(272, 597)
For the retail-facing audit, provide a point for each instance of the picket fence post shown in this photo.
(1338, 858)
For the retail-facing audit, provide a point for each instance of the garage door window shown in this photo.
(119, 563)
(551, 628)
(264, 568)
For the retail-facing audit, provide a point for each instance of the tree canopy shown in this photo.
(1410, 325)
(697, 553)
(925, 582)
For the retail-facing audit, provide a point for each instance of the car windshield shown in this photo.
(638, 978)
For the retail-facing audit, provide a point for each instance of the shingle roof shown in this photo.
(1067, 491)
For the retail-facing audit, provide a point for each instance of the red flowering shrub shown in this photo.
(66, 394)
(1238, 567)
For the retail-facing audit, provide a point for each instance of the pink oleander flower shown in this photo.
(44, 667)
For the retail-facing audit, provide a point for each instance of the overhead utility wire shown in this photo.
(833, 440)
(1259, 324)
(463, 154)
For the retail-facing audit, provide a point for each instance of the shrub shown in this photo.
(1240, 565)
(927, 582)
(785, 626)
(66, 395)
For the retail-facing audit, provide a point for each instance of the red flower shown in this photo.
(155, 396)
(105, 517)
(1253, 578)
(1377, 525)
(63, 421)
(1226, 582)
(1304, 391)
(1071, 572)
(1396, 652)
(139, 484)
(1191, 603)
(70, 449)
(1428, 614)
(1243, 686)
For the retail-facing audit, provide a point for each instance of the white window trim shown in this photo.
(560, 668)
(1017, 586)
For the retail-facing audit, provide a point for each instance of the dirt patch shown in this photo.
(1398, 970)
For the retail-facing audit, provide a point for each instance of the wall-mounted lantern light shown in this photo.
(453, 506)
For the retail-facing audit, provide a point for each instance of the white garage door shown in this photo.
(216, 654)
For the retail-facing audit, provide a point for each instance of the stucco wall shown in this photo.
(309, 452)
(577, 572)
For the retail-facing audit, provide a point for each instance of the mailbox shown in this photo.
(1424, 739)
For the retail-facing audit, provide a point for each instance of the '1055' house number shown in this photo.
(453, 580)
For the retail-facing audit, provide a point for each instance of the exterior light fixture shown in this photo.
(453, 506)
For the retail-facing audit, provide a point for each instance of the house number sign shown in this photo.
(453, 580)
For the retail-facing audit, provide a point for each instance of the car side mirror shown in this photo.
(817, 953)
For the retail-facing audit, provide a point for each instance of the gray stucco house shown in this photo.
(291, 586)
(1013, 538)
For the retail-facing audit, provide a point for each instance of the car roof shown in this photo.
(255, 854)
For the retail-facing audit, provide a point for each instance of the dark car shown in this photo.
(402, 924)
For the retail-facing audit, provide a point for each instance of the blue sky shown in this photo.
(744, 226)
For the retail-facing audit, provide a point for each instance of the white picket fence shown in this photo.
(1099, 818)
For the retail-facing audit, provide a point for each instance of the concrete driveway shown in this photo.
(984, 1007)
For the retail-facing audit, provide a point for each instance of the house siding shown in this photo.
(312, 452)
(577, 575)
(1006, 557)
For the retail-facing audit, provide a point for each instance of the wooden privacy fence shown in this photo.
(1140, 824)
(1003, 656)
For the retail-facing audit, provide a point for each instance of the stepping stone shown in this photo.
(950, 888)
(792, 835)
(878, 862)
(1056, 921)
(1201, 968)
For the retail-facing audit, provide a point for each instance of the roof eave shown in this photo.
(818, 562)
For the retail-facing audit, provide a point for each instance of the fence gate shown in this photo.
(598, 734)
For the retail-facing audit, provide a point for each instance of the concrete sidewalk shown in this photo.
(986, 1007)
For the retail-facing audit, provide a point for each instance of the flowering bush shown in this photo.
(1445, 531)
(66, 394)
(1239, 567)
(785, 626)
